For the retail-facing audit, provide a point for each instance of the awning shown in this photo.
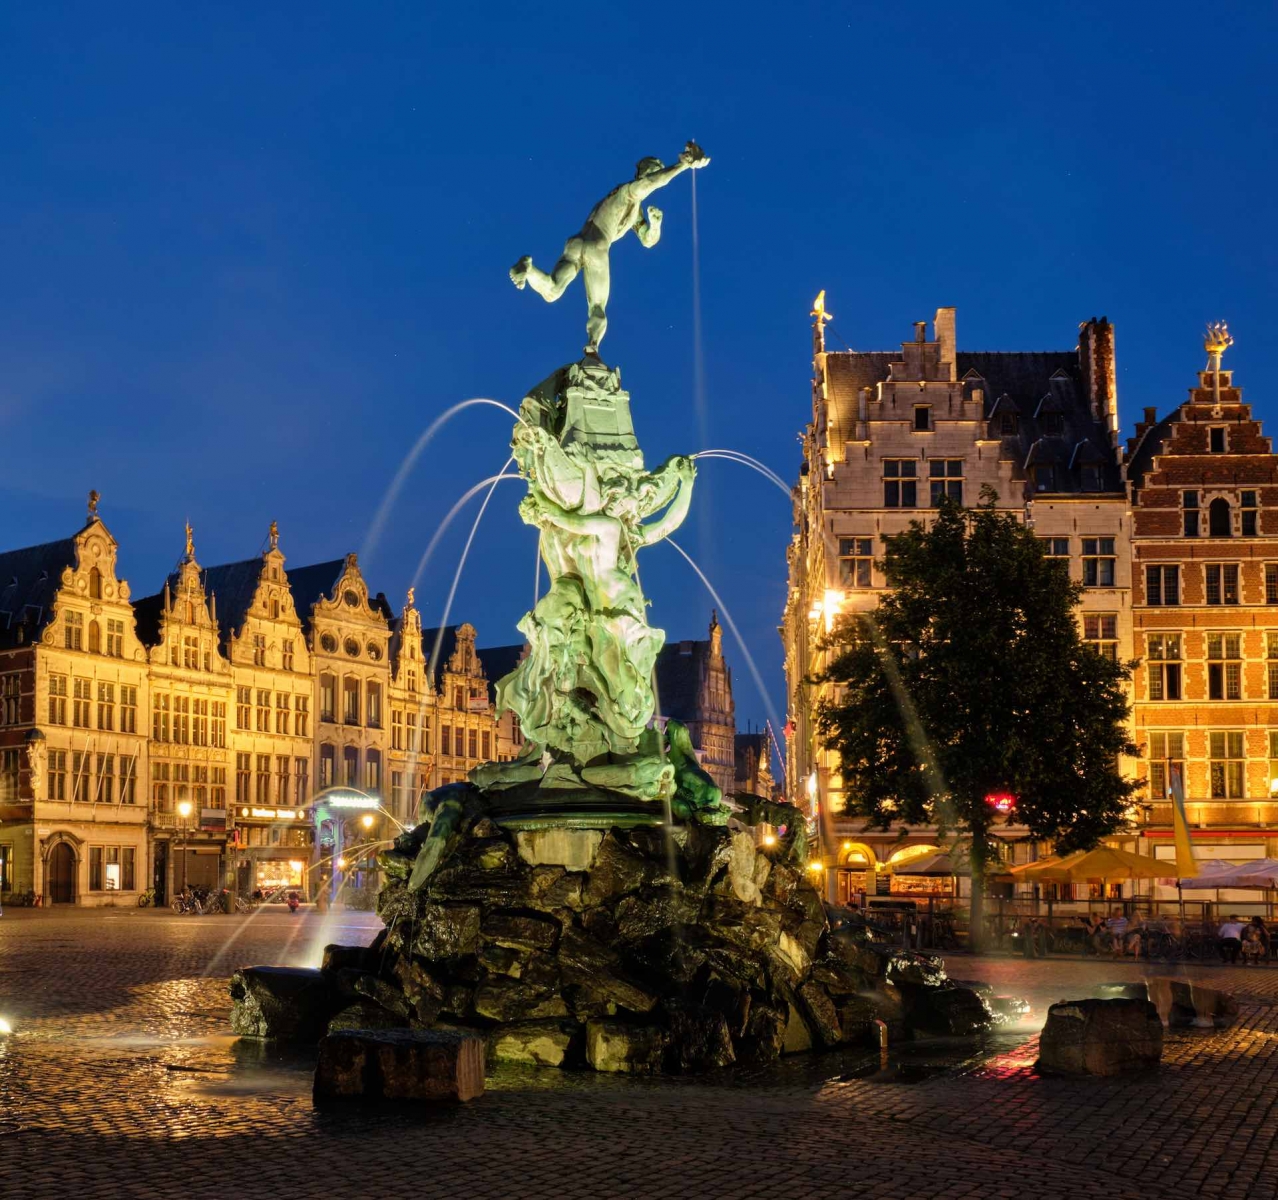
(933, 864)
(1257, 873)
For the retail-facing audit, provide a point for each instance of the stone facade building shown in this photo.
(191, 697)
(1204, 484)
(894, 431)
(74, 699)
(243, 691)
(694, 686)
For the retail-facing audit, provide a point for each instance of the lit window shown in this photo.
(1100, 631)
(1164, 664)
(1228, 764)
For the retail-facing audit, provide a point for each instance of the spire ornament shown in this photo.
(274, 534)
(190, 542)
(94, 497)
(1216, 342)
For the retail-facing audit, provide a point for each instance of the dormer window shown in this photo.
(1053, 424)
(1045, 478)
(1091, 478)
(1216, 439)
(1009, 424)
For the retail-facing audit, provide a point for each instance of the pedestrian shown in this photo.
(1258, 924)
(1116, 927)
(1230, 934)
(1253, 949)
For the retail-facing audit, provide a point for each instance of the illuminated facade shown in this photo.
(891, 433)
(73, 724)
(185, 736)
(1205, 556)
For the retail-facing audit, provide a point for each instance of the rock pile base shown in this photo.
(624, 950)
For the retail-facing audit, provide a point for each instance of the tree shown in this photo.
(971, 678)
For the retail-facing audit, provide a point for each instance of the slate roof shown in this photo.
(146, 617)
(311, 584)
(679, 672)
(234, 585)
(447, 644)
(499, 661)
(1035, 384)
(29, 581)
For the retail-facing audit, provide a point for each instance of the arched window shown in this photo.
(95, 638)
(1219, 523)
(95, 584)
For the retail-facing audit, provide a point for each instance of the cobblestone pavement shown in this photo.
(120, 1080)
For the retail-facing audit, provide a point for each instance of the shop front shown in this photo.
(272, 851)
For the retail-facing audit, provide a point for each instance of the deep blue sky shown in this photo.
(248, 252)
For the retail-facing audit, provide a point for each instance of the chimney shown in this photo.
(943, 323)
(1151, 416)
(1096, 357)
(920, 332)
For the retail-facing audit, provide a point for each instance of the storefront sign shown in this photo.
(274, 814)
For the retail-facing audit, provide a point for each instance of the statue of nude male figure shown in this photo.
(612, 218)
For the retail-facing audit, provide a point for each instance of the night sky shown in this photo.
(248, 252)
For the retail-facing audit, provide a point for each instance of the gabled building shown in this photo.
(73, 735)
(753, 752)
(1204, 484)
(272, 732)
(891, 434)
(694, 687)
(191, 697)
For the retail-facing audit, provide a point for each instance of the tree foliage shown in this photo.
(971, 677)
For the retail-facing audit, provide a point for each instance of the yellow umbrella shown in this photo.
(1098, 864)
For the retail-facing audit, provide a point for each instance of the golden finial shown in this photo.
(818, 310)
(412, 596)
(275, 535)
(94, 497)
(1217, 341)
(190, 541)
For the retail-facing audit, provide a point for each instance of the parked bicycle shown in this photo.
(187, 902)
(147, 898)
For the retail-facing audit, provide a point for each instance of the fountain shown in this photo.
(588, 904)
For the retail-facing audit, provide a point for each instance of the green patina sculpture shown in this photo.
(584, 692)
(620, 211)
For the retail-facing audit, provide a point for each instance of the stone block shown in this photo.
(1183, 1004)
(399, 1065)
(741, 868)
(446, 930)
(821, 1013)
(287, 1004)
(797, 1037)
(503, 999)
(575, 849)
(352, 958)
(699, 1038)
(520, 931)
(1100, 1037)
(945, 1011)
(364, 1014)
(534, 1044)
(616, 1047)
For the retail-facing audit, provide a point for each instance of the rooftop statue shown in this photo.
(620, 211)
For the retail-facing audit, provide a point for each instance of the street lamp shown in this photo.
(184, 811)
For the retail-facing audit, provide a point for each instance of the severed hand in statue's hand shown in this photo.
(654, 215)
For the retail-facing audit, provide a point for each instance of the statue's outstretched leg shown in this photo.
(596, 277)
(549, 287)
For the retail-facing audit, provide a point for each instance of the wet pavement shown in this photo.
(121, 1080)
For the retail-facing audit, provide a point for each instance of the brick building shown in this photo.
(1204, 486)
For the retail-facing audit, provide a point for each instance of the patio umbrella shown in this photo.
(1101, 863)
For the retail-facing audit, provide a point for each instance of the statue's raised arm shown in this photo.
(586, 253)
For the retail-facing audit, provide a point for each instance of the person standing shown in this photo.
(1230, 934)
(1116, 927)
